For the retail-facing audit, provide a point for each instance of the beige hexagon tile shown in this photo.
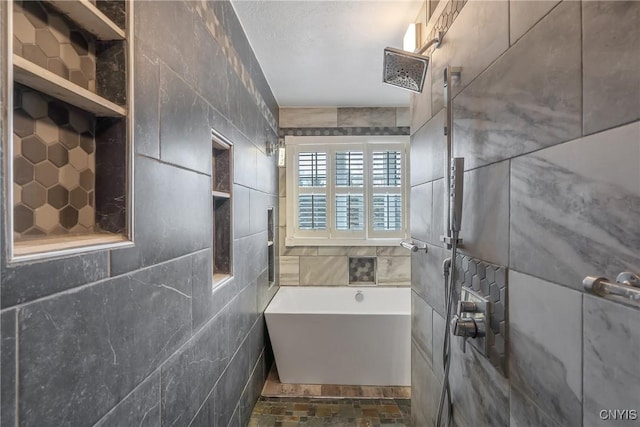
(86, 216)
(46, 174)
(17, 146)
(79, 159)
(47, 130)
(34, 149)
(69, 177)
(23, 29)
(70, 56)
(46, 217)
(34, 195)
(17, 194)
(34, 104)
(47, 43)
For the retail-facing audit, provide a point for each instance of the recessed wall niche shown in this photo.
(222, 195)
(68, 78)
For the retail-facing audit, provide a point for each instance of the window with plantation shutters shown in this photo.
(346, 190)
(312, 184)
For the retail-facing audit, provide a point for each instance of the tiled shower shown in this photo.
(545, 113)
(136, 335)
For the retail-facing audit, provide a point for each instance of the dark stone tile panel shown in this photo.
(146, 103)
(27, 281)
(82, 352)
(140, 408)
(189, 375)
(185, 137)
(8, 367)
(179, 195)
(152, 23)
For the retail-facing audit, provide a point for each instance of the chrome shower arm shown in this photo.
(430, 43)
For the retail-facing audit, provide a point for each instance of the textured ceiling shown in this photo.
(327, 53)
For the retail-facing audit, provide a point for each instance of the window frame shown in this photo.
(331, 145)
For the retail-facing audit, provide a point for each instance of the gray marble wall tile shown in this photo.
(392, 251)
(425, 390)
(530, 98)
(525, 413)
(289, 270)
(394, 271)
(611, 348)
(611, 73)
(438, 343)
(293, 250)
(27, 281)
(422, 326)
(427, 278)
(366, 117)
(141, 407)
(8, 368)
(308, 117)
(146, 102)
(185, 137)
(479, 390)
(524, 14)
(420, 105)
(479, 35)
(403, 117)
(178, 194)
(545, 332)
(324, 270)
(428, 147)
(438, 213)
(60, 383)
(189, 375)
(421, 211)
(485, 213)
(572, 213)
(347, 250)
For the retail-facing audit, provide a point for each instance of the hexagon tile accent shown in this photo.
(48, 39)
(53, 167)
(362, 270)
(490, 281)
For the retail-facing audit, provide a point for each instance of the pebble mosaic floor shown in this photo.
(314, 412)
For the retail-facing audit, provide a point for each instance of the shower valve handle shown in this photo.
(468, 327)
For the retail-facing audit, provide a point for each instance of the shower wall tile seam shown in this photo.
(499, 57)
(204, 99)
(532, 25)
(76, 289)
(177, 166)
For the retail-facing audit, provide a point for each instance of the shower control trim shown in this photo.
(471, 320)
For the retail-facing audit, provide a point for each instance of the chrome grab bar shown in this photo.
(626, 289)
(414, 247)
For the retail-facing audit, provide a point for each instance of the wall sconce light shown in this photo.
(281, 153)
(270, 148)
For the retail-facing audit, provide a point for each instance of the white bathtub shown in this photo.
(322, 335)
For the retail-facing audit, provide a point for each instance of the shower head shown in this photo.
(404, 69)
(407, 70)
